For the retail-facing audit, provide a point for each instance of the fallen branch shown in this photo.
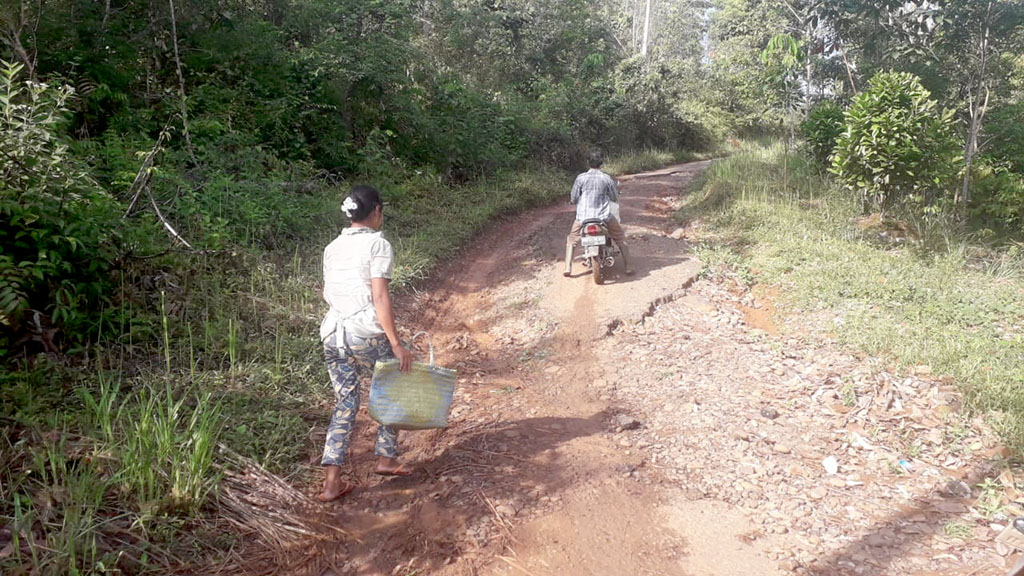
(256, 501)
(167, 225)
(501, 521)
(142, 176)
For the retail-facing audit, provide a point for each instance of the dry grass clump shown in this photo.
(260, 503)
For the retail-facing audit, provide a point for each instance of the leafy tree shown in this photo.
(963, 51)
(897, 145)
(739, 32)
(974, 46)
(782, 59)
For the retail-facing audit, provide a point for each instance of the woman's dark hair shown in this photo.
(364, 199)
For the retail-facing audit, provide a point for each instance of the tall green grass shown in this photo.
(167, 451)
(68, 505)
(933, 298)
(139, 463)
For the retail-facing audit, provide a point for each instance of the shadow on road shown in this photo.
(468, 494)
(898, 538)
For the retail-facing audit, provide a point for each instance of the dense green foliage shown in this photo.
(967, 54)
(1006, 133)
(822, 128)
(60, 231)
(225, 124)
(740, 32)
(895, 146)
(999, 196)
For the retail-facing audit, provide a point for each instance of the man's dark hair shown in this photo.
(366, 198)
(596, 159)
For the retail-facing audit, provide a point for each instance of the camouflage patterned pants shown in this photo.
(345, 370)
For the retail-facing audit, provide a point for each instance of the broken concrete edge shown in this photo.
(615, 323)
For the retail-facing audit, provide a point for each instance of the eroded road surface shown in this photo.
(657, 424)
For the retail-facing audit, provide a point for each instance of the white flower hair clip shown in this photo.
(349, 206)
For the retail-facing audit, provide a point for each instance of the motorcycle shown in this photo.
(598, 251)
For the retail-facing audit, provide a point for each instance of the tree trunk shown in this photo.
(808, 73)
(11, 34)
(785, 168)
(23, 55)
(647, 29)
(849, 71)
(971, 148)
(978, 99)
(181, 84)
(106, 17)
(633, 26)
(153, 63)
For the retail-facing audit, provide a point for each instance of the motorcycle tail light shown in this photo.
(592, 229)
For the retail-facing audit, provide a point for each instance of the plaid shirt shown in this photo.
(592, 193)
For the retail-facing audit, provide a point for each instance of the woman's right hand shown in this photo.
(404, 357)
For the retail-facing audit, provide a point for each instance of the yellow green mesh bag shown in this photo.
(417, 400)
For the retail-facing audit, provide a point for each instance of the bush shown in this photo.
(999, 195)
(58, 230)
(896, 146)
(822, 128)
(1005, 133)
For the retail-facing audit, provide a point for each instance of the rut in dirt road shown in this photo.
(621, 429)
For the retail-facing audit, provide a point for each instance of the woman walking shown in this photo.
(358, 330)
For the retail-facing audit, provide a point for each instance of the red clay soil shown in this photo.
(541, 472)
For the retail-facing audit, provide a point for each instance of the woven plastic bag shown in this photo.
(417, 400)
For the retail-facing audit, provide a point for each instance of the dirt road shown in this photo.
(652, 425)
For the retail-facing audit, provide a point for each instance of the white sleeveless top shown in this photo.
(350, 261)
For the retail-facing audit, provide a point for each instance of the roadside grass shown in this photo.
(110, 462)
(634, 161)
(913, 292)
(117, 485)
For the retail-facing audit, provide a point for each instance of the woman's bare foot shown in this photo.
(334, 486)
(391, 467)
(332, 494)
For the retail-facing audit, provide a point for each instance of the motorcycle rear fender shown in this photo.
(600, 224)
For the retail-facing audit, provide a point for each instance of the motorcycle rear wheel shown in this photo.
(596, 267)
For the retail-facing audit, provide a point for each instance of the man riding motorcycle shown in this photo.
(593, 193)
